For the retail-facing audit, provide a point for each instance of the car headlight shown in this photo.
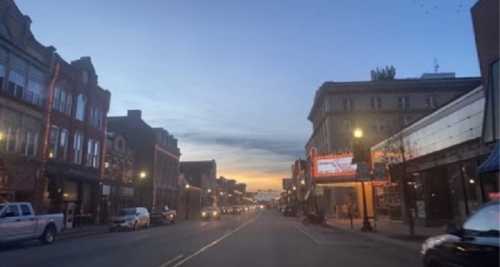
(203, 214)
(214, 213)
(435, 241)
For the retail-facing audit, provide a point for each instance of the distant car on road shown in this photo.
(236, 210)
(18, 222)
(163, 216)
(210, 213)
(131, 219)
(475, 243)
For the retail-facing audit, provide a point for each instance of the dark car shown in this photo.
(236, 210)
(475, 243)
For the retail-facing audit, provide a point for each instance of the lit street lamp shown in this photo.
(187, 186)
(302, 182)
(142, 174)
(209, 190)
(358, 134)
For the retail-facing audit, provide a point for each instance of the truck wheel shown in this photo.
(49, 235)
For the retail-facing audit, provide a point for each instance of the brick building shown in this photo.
(25, 74)
(77, 121)
(119, 181)
(156, 159)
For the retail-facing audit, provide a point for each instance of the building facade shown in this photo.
(380, 108)
(76, 138)
(201, 174)
(487, 43)
(26, 69)
(156, 158)
(119, 181)
(442, 153)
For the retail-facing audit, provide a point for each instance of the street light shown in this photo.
(302, 182)
(187, 186)
(221, 193)
(294, 188)
(358, 133)
(209, 190)
(142, 174)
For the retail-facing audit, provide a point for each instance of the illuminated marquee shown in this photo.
(334, 166)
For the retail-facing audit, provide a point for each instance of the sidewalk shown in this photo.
(389, 231)
(83, 231)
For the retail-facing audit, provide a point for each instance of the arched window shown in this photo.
(81, 101)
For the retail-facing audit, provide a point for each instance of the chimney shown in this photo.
(134, 114)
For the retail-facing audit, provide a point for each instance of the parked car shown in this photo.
(236, 210)
(210, 213)
(163, 216)
(131, 219)
(475, 243)
(18, 222)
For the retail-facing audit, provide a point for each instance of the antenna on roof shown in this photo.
(436, 65)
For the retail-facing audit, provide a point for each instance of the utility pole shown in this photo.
(404, 187)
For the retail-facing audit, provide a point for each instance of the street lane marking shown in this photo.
(213, 243)
(178, 257)
(308, 235)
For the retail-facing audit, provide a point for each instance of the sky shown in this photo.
(234, 80)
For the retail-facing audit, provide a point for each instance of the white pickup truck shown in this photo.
(18, 222)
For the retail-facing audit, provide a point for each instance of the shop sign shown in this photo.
(421, 209)
(336, 165)
(106, 190)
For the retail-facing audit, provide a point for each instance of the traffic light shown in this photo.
(360, 151)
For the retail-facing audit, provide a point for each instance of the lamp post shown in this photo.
(358, 134)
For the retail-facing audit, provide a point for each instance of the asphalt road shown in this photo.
(254, 239)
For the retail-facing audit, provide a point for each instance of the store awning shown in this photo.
(492, 162)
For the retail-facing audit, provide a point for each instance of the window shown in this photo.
(77, 147)
(31, 143)
(17, 77)
(96, 117)
(404, 102)
(81, 102)
(3, 67)
(11, 139)
(63, 144)
(484, 220)
(430, 101)
(35, 92)
(93, 153)
(62, 100)
(376, 103)
(348, 104)
(53, 141)
(25, 210)
(12, 211)
(96, 154)
(348, 124)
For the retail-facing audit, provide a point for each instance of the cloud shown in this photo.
(287, 148)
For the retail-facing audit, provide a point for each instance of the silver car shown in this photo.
(131, 219)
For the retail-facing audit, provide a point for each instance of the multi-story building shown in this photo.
(380, 108)
(25, 75)
(119, 180)
(487, 43)
(77, 119)
(166, 170)
(201, 174)
(155, 162)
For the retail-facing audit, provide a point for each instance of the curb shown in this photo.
(75, 235)
(377, 237)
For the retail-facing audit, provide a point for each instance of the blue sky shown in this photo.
(234, 80)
